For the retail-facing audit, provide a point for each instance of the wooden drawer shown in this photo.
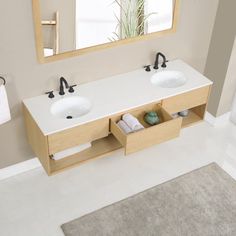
(186, 100)
(78, 135)
(168, 128)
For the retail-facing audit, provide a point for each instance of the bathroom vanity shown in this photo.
(100, 104)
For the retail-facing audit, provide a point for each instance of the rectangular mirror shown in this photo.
(66, 28)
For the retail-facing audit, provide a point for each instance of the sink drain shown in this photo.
(69, 117)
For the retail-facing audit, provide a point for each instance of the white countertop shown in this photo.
(113, 95)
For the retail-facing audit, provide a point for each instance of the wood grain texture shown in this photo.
(78, 52)
(168, 128)
(100, 148)
(78, 135)
(104, 143)
(56, 38)
(176, 15)
(195, 115)
(153, 135)
(38, 30)
(139, 112)
(186, 100)
(37, 140)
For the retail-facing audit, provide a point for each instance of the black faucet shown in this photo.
(50, 94)
(61, 90)
(157, 61)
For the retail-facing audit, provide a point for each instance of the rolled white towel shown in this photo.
(4, 106)
(175, 115)
(124, 127)
(138, 127)
(132, 122)
(70, 151)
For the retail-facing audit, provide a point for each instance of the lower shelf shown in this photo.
(195, 115)
(191, 119)
(100, 148)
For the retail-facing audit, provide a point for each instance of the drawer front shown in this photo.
(154, 135)
(187, 100)
(168, 129)
(78, 135)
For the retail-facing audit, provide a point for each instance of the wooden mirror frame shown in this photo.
(60, 56)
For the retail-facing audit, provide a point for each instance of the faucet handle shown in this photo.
(50, 94)
(163, 65)
(147, 68)
(71, 88)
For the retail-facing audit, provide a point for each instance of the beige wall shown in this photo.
(66, 11)
(26, 78)
(229, 88)
(220, 51)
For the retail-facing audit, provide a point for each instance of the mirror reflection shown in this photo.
(78, 24)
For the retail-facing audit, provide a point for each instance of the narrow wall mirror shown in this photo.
(66, 28)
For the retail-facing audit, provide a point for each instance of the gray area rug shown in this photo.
(200, 203)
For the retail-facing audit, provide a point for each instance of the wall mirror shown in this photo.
(66, 28)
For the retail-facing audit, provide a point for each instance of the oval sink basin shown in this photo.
(169, 79)
(71, 107)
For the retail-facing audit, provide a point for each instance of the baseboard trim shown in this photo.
(217, 121)
(19, 168)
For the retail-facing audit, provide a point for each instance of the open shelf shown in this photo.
(100, 148)
(196, 114)
(191, 119)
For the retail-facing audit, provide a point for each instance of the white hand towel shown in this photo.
(71, 151)
(124, 127)
(4, 106)
(132, 122)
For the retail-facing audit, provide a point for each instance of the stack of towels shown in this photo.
(129, 124)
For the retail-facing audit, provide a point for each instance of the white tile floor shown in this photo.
(34, 204)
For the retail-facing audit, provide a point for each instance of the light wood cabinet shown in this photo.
(78, 135)
(96, 132)
(106, 137)
(186, 100)
(167, 129)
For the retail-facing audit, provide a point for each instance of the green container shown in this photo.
(152, 118)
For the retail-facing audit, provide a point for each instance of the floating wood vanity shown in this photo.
(48, 135)
(107, 137)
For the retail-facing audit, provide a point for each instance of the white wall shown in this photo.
(229, 89)
(220, 51)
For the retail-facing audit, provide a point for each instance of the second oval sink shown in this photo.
(169, 79)
(71, 107)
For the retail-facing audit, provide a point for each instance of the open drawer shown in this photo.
(167, 129)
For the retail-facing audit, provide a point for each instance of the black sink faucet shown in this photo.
(157, 61)
(61, 90)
